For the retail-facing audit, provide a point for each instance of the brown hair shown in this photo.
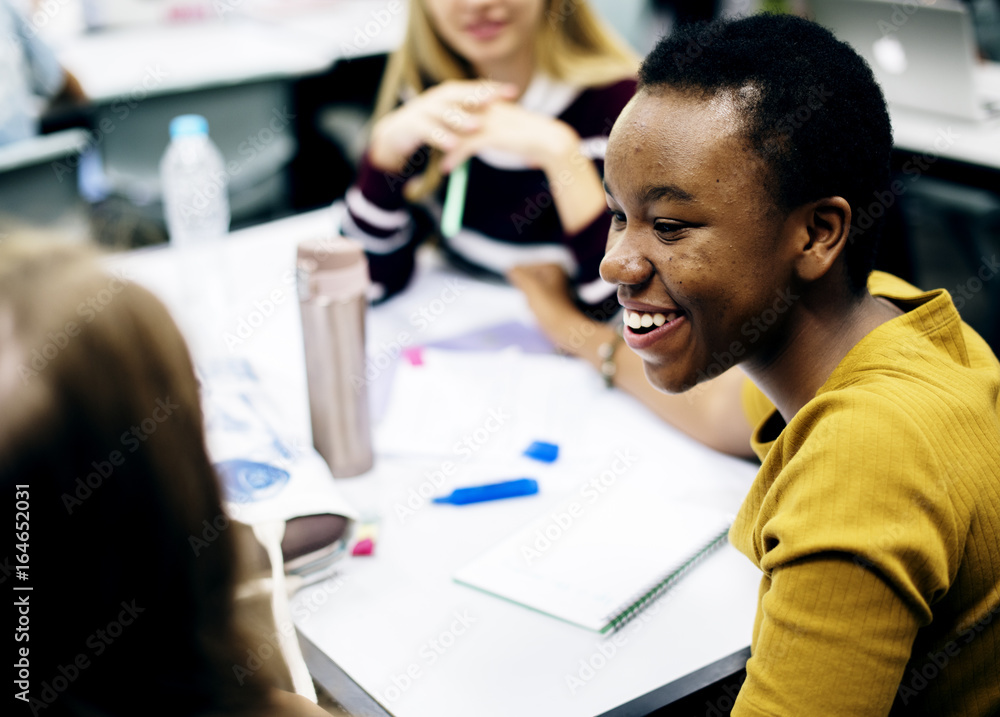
(101, 429)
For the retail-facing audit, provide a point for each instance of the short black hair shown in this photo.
(812, 110)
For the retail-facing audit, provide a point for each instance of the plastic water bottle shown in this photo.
(196, 205)
(195, 183)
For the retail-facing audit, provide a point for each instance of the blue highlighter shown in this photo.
(491, 491)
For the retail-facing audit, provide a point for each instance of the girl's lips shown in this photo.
(644, 341)
(485, 30)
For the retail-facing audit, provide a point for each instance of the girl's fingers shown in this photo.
(472, 95)
(457, 154)
(448, 117)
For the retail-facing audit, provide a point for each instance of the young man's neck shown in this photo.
(815, 339)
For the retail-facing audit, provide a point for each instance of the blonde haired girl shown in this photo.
(526, 91)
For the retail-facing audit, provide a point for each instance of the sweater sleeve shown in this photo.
(378, 216)
(857, 540)
(833, 638)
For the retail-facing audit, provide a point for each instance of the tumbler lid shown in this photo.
(333, 252)
(333, 267)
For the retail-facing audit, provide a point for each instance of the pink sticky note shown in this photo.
(415, 355)
(363, 547)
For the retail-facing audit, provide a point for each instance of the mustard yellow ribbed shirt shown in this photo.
(875, 519)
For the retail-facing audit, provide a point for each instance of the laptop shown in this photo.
(924, 56)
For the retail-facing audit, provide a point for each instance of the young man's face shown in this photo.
(695, 237)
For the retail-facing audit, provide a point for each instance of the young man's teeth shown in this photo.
(643, 320)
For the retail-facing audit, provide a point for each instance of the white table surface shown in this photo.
(389, 621)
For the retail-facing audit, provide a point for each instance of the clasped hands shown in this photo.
(463, 117)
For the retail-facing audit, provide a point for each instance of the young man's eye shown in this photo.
(616, 216)
(668, 229)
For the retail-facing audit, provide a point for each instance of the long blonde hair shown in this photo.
(571, 45)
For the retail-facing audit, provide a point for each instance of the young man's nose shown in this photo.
(623, 263)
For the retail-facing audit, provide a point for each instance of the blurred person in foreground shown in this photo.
(101, 438)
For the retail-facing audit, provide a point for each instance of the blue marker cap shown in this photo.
(542, 451)
(492, 491)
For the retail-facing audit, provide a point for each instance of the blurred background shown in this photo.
(88, 88)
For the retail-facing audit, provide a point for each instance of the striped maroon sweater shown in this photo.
(509, 216)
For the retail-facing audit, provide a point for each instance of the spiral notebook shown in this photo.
(597, 561)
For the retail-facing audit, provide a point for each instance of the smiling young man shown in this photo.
(733, 177)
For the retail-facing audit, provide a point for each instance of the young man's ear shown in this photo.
(825, 226)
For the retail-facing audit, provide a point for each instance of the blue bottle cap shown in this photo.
(186, 125)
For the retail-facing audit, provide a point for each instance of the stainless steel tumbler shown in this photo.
(333, 282)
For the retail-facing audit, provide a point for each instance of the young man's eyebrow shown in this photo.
(652, 194)
(666, 191)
